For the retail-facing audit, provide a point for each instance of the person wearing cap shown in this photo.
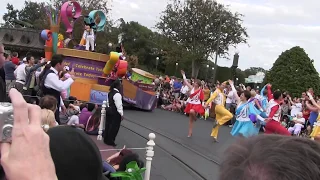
(20, 75)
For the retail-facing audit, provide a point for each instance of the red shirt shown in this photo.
(15, 60)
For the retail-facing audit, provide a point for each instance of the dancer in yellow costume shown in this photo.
(222, 114)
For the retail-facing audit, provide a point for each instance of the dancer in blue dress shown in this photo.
(264, 101)
(246, 114)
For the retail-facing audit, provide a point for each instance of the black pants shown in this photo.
(112, 126)
(57, 115)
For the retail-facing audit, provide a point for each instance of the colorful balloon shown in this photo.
(70, 9)
(103, 19)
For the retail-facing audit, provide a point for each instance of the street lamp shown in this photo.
(157, 62)
(175, 73)
(207, 71)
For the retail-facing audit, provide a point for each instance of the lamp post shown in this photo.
(175, 73)
(157, 62)
(207, 71)
(109, 47)
(217, 48)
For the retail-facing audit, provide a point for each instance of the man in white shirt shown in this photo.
(20, 74)
(50, 84)
(184, 91)
(114, 114)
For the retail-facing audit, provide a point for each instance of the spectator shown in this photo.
(272, 157)
(15, 60)
(9, 69)
(3, 94)
(52, 85)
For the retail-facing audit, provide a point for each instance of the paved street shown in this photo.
(176, 156)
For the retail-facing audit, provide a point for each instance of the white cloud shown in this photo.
(273, 25)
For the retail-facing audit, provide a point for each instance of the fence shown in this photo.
(150, 144)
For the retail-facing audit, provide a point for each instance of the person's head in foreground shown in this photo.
(272, 157)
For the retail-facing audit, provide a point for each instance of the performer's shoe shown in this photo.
(215, 124)
(190, 135)
(215, 140)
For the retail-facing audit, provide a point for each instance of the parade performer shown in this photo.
(264, 101)
(244, 113)
(194, 102)
(274, 113)
(222, 114)
(88, 35)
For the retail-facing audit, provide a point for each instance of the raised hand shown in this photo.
(230, 82)
(182, 72)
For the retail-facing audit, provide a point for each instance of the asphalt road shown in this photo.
(176, 156)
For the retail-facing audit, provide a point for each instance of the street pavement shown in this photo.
(176, 156)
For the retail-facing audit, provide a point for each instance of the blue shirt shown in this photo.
(177, 86)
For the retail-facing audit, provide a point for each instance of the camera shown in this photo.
(6, 121)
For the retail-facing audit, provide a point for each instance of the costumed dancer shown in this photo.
(194, 102)
(88, 35)
(222, 114)
(264, 101)
(246, 114)
(274, 113)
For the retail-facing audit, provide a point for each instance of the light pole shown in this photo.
(217, 48)
(175, 73)
(157, 62)
(207, 71)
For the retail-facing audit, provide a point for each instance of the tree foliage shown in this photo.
(142, 45)
(34, 13)
(196, 25)
(293, 71)
(10, 16)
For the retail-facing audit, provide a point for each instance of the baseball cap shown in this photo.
(24, 59)
(74, 154)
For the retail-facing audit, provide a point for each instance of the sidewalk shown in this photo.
(102, 146)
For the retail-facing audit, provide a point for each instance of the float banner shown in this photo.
(131, 94)
(85, 68)
(137, 97)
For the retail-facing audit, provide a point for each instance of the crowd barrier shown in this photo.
(150, 144)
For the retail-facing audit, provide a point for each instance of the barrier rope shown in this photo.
(105, 150)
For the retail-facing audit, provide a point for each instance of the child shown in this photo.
(299, 123)
(71, 116)
(47, 119)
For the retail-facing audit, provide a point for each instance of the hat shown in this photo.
(74, 154)
(24, 59)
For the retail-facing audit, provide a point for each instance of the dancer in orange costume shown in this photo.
(194, 104)
(222, 114)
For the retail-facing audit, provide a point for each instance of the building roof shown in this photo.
(21, 38)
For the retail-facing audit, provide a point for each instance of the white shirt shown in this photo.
(20, 73)
(52, 81)
(117, 98)
(184, 89)
(295, 109)
(230, 97)
(88, 34)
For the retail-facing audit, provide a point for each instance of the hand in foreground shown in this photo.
(230, 82)
(28, 156)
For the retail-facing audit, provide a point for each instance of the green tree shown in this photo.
(293, 71)
(199, 26)
(138, 41)
(34, 13)
(253, 71)
(10, 16)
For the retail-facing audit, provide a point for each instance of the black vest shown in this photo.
(112, 105)
(50, 91)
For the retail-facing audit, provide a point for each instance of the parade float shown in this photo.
(95, 71)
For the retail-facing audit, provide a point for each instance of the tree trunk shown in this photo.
(195, 69)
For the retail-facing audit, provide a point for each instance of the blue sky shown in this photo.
(273, 25)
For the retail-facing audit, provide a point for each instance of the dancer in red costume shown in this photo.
(194, 101)
(273, 125)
